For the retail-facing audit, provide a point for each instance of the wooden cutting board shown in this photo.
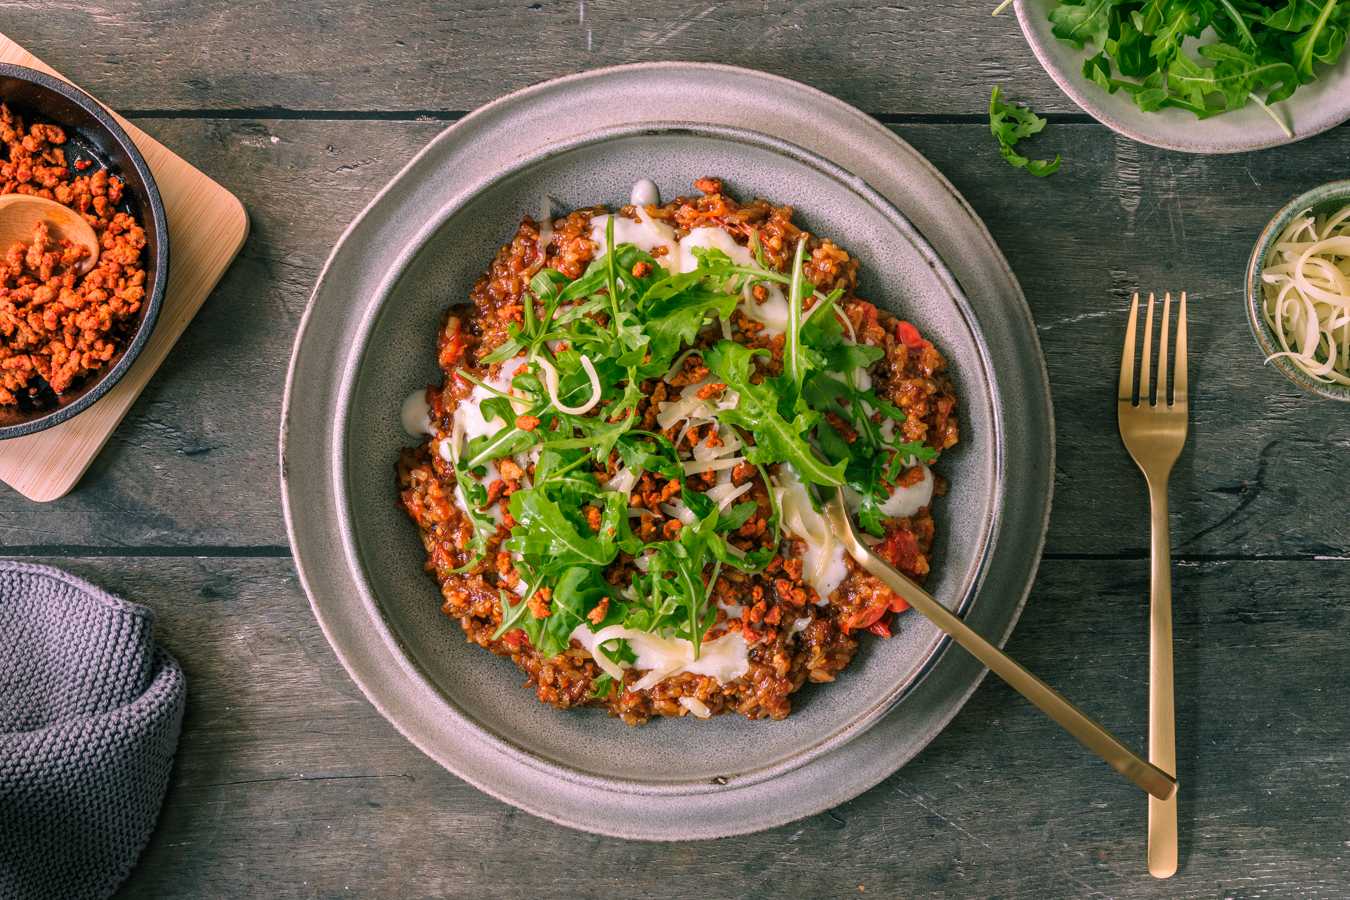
(207, 228)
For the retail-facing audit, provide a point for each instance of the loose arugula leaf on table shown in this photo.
(1010, 123)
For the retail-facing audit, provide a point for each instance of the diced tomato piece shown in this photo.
(436, 403)
(452, 344)
(882, 626)
(414, 508)
(866, 617)
(901, 550)
(515, 638)
(908, 335)
(869, 313)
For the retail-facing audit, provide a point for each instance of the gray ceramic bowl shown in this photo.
(396, 354)
(339, 429)
(92, 134)
(1313, 109)
(1320, 200)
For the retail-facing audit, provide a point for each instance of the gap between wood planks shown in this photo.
(441, 115)
(77, 551)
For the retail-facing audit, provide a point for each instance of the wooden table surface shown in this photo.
(289, 784)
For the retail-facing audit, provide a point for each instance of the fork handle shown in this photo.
(1078, 723)
(1162, 750)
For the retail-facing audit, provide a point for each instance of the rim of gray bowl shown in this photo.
(940, 644)
(1318, 200)
(154, 206)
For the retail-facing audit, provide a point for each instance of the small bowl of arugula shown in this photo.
(1195, 75)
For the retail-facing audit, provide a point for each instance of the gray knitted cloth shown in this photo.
(89, 717)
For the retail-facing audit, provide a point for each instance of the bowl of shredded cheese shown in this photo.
(1298, 291)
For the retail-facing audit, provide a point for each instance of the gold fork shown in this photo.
(1154, 433)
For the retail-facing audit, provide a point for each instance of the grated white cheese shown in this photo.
(698, 466)
(724, 494)
(724, 659)
(823, 564)
(696, 706)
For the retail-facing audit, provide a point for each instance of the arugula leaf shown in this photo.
(600, 687)
(1010, 123)
(738, 516)
(796, 358)
(475, 497)
(514, 616)
(822, 329)
(776, 439)
(1235, 74)
(1077, 24)
(579, 590)
(1169, 22)
(676, 319)
(643, 451)
(1295, 16)
(507, 441)
(1270, 45)
(1133, 51)
(1321, 42)
(547, 538)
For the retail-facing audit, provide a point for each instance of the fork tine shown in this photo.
(1145, 373)
(1162, 350)
(1179, 376)
(1126, 394)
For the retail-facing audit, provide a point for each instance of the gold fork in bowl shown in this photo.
(1154, 433)
(1158, 783)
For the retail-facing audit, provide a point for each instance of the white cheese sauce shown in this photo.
(648, 235)
(645, 194)
(469, 423)
(907, 501)
(824, 564)
(416, 414)
(468, 416)
(724, 659)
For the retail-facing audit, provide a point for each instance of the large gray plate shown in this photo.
(420, 244)
(1313, 109)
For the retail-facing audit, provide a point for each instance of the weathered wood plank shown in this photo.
(1257, 476)
(410, 55)
(195, 462)
(288, 783)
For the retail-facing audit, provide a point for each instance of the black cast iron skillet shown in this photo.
(92, 134)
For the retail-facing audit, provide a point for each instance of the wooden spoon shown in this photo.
(18, 212)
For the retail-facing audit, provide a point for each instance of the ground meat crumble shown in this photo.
(56, 325)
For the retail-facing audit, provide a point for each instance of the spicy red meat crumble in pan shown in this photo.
(57, 322)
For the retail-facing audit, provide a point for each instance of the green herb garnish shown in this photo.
(1261, 45)
(628, 328)
(1010, 123)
